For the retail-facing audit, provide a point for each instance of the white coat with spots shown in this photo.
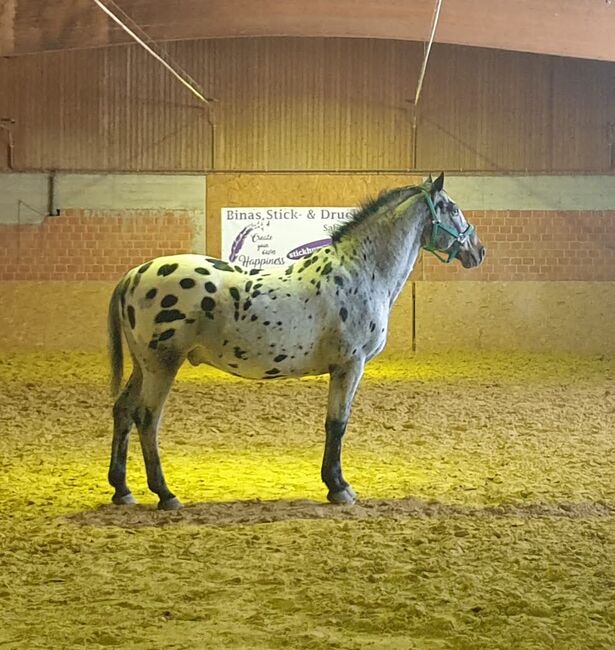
(327, 313)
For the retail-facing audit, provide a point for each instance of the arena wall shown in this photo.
(548, 283)
(318, 104)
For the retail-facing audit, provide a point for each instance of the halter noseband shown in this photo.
(458, 237)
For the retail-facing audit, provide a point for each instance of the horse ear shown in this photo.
(429, 179)
(438, 184)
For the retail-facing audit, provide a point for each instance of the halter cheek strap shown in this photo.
(458, 237)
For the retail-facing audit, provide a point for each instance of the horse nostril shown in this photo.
(481, 253)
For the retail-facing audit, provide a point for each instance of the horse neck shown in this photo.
(391, 244)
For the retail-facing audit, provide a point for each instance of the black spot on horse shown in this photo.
(273, 371)
(135, 283)
(338, 280)
(168, 301)
(131, 316)
(234, 293)
(221, 265)
(236, 315)
(190, 320)
(254, 271)
(210, 287)
(169, 315)
(207, 304)
(167, 334)
(153, 344)
(255, 294)
(144, 268)
(328, 267)
(187, 283)
(246, 305)
(248, 285)
(233, 365)
(253, 317)
(266, 322)
(167, 269)
(343, 313)
(372, 326)
(201, 271)
(289, 270)
(279, 358)
(239, 353)
(151, 294)
(123, 290)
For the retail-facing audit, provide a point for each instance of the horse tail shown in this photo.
(114, 330)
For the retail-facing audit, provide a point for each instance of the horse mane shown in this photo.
(370, 207)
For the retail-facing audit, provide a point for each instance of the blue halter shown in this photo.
(458, 237)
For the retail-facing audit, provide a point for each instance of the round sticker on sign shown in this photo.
(306, 249)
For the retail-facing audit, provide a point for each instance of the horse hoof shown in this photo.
(346, 496)
(124, 500)
(170, 504)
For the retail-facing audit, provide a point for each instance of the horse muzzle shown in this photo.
(472, 257)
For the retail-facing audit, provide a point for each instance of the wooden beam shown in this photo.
(576, 28)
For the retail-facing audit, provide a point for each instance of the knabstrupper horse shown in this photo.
(326, 313)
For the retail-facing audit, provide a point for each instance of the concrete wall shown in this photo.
(25, 198)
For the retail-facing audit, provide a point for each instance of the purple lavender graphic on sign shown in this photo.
(306, 249)
(238, 242)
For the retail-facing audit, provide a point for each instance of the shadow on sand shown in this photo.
(250, 512)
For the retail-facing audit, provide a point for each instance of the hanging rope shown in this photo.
(434, 25)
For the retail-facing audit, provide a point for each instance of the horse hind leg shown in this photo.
(147, 416)
(123, 410)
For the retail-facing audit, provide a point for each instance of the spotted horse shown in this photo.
(327, 313)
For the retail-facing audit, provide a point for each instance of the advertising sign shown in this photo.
(277, 236)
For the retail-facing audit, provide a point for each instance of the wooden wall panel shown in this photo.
(112, 109)
(583, 105)
(308, 104)
(295, 104)
(485, 110)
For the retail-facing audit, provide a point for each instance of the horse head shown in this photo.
(449, 232)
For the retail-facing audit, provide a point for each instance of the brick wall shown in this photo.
(535, 245)
(91, 245)
(101, 245)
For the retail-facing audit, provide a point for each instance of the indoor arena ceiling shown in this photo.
(578, 28)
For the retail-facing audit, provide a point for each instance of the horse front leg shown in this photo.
(342, 388)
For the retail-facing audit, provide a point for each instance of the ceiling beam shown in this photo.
(577, 28)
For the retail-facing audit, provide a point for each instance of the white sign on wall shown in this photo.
(277, 236)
